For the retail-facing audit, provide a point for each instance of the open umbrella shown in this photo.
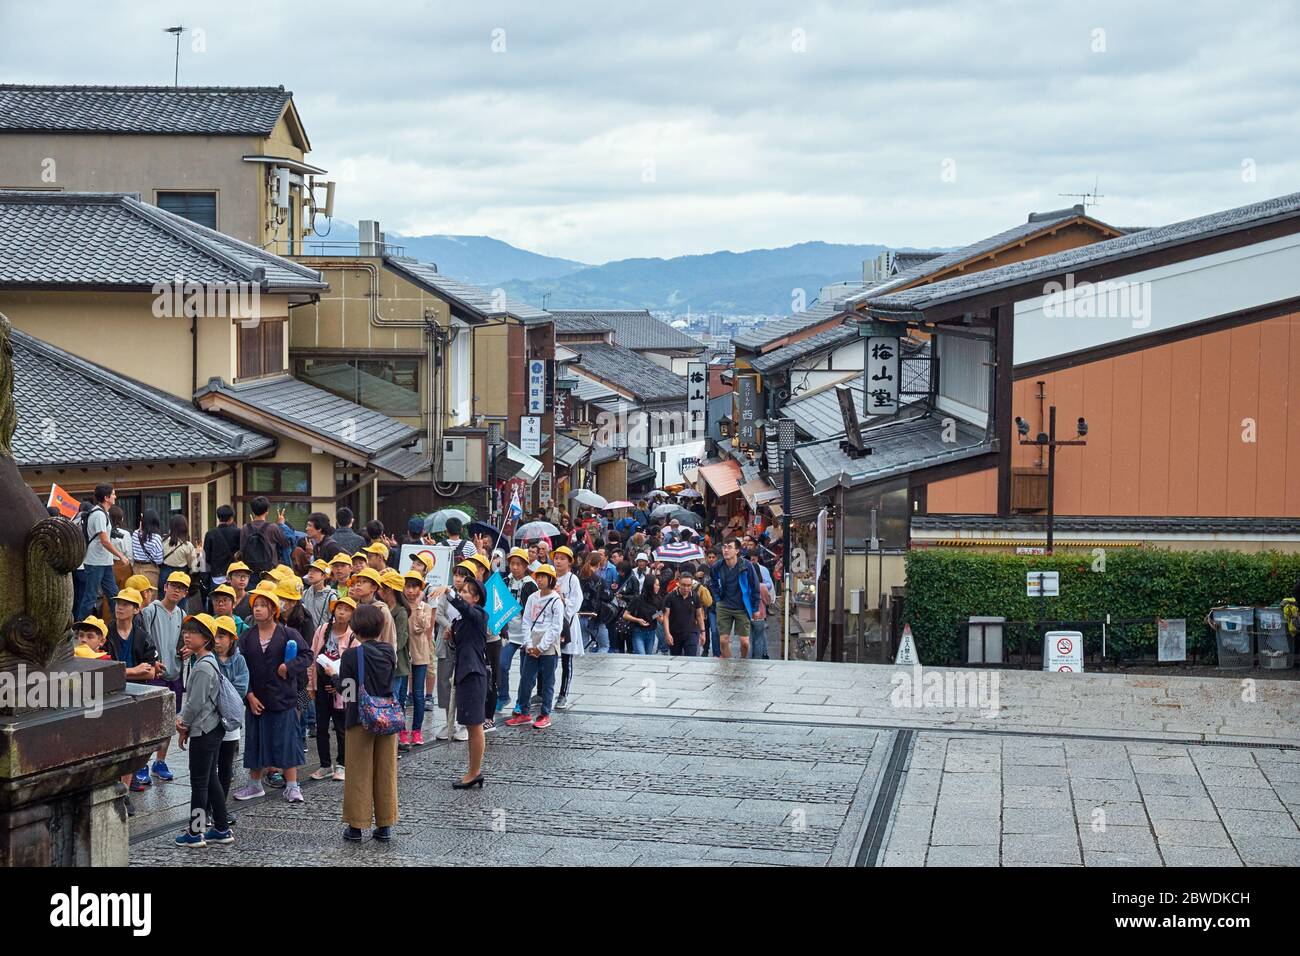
(688, 518)
(664, 510)
(657, 493)
(436, 523)
(539, 529)
(689, 493)
(678, 552)
(475, 528)
(587, 498)
(617, 505)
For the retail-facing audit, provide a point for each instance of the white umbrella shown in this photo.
(436, 523)
(689, 493)
(658, 494)
(587, 498)
(538, 529)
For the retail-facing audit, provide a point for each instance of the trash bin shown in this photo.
(984, 640)
(1232, 631)
(1272, 639)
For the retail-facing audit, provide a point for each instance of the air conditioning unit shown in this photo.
(454, 465)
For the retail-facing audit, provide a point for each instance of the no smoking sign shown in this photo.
(1063, 652)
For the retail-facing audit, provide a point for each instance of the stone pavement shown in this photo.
(684, 761)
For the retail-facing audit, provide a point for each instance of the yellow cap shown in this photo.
(484, 560)
(237, 566)
(266, 590)
(378, 548)
(207, 621)
(391, 579)
(428, 559)
(130, 595)
(369, 574)
(341, 558)
(281, 571)
(519, 553)
(469, 566)
(227, 623)
(413, 577)
(359, 556)
(288, 590)
(546, 569)
(179, 577)
(225, 589)
(320, 566)
(350, 602)
(140, 583)
(565, 550)
(96, 623)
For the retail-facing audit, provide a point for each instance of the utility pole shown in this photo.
(1050, 442)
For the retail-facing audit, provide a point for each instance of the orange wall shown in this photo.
(1165, 430)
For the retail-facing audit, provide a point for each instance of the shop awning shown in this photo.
(758, 492)
(514, 462)
(723, 478)
(569, 451)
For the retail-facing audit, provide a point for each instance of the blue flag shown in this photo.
(501, 604)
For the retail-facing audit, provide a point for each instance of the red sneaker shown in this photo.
(519, 720)
(417, 738)
(404, 737)
(542, 722)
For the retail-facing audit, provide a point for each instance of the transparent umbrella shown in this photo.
(436, 523)
(587, 498)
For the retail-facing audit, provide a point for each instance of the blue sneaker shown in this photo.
(191, 839)
(141, 780)
(161, 772)
(219, 836)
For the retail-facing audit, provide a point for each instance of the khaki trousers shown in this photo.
(370, 789)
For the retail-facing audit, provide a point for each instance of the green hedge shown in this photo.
(946, 586)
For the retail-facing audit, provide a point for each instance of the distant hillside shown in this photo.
(761, 281)
(480, 260)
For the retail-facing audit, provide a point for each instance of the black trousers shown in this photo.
(205, 784)
(494, 667)
(325, 715)
(566, 673)
(688, 646)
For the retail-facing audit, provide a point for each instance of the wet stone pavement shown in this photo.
(704, 762)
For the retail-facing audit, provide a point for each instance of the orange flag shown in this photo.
(68, 505)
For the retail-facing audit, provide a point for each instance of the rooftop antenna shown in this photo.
(1089, 199)
(178, 30)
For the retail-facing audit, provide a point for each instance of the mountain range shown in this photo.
(757, 282)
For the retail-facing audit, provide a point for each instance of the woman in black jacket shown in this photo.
(469, 634)
(370, 788)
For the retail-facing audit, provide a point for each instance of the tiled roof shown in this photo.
(574, 322)
(195, 110)
(127, 421)
(569, 451)
(832, 338)
(402, 462)
(818, 415)
(1037, 223)
(589, 390)
(114, 239)
(775, 329)
(478, 302)
(626, 369)
(898, 446)
(1110, 250)
(1108, 524)
(903, 261)
(306, 406)
(633, 329)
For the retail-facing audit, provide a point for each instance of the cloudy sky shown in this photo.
(587, 130)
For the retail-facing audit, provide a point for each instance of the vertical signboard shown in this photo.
(561, 408)
(536, 386)
(530, 435)
(544, 489)
(697, 399)
(881, 376)
(746, 411)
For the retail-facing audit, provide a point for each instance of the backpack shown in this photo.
(259, 553)
(229, 706)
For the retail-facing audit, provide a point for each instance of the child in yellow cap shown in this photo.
(91, 635)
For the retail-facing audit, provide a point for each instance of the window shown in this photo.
(281, 483)
(261, 348)
(964, 375)
(196, 207)
(166, 502)
(460, 376)
(391, 386)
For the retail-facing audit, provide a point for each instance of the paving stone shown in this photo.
(973, 762)
(1036, 797)
(1016, 776)
(1190, 833)
(1038, 821)
(1245, 798)
(1227, 775)
(1021, 756)
(962, 856)
(1199, 856)
(964, 832)
(1120, 858)
(1137, 840)
(1169, 785)
(1099, 768)
(1126, 813)
(1162, 763)
(1181, 808)
(1268, 850)
(1023, 848)
(1258, 823)
(1091, 790)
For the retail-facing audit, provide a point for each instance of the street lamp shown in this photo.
(494, 441)
(1050, 442)
(785, 440)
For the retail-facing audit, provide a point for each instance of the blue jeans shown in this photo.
(644, 640)
(98, 577)
(540, 670)
(418, 674)
(508, 652)
(661, 641)
(593, 630)
(758, 639)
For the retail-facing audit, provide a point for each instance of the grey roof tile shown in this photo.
(131, 422)
(306, 406)
(624, 368)
(402, 462)
(114, 239)
(479, 302)
(633, 329)
(898, 446)
(772, 330)
(832, 338)
(1109, 250)
(142, 109)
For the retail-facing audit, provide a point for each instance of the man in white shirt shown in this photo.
(101, 552)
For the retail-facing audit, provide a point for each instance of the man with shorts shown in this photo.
(736, 596)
